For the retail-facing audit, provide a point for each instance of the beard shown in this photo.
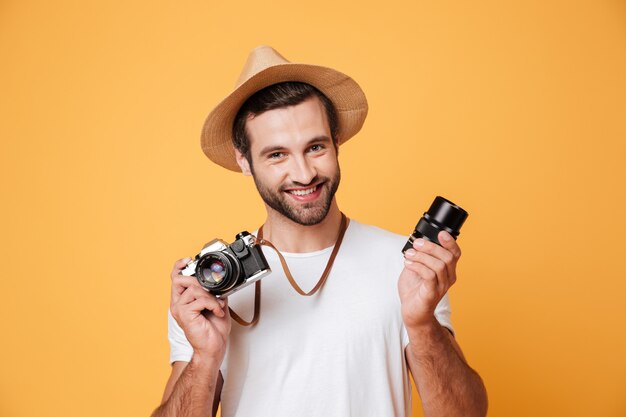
(306, 214)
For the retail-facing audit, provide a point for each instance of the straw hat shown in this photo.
(264, 67)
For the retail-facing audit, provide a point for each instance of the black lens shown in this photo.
(214, 272)
(217, 272)
(442, 215)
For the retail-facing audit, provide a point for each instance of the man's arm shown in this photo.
(445, 382)
(193, 388)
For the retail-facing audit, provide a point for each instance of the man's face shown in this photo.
(294, 161)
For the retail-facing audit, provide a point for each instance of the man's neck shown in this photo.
(288, 236)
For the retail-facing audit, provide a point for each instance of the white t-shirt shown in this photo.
(338, 353)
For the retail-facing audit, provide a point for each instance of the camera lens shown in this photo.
(442, 215)
(217, 272)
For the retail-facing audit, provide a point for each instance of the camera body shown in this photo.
(223, 269)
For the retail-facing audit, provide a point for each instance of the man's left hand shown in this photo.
(429, 271)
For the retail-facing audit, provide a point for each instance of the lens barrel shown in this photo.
(442, 215)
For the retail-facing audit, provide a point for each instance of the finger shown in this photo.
(180, 284)
(196, 293)
(448, 242)
(453, 247)
(224, 323)
(179, 265)
(424, 284)
(427, 274)
(207, 304)
(436, 265)
(433, 249)
(422, 245)
(441, 253)
(192, 293)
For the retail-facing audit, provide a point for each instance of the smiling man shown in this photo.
(301, 185)
(344, 317)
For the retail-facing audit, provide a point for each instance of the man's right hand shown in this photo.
(204, 318)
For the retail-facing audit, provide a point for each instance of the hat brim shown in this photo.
(346, 95)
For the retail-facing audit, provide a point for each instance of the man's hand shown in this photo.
(428, 273)
(204, 318)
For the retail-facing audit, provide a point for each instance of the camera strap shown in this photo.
(257, 308)
(257, 285)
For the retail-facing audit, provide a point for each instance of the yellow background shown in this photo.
(514, 110)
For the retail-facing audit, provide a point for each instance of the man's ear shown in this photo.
(243, 163)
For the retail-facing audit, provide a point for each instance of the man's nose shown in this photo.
(302, 171)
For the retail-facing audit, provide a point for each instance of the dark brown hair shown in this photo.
(277, 96)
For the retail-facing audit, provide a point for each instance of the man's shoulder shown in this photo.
(377, 236)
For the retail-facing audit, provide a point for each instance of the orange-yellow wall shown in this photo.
(514, 110)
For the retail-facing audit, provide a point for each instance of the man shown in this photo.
(347, 348)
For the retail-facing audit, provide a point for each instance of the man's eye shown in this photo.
(316, 148)
(275, 155)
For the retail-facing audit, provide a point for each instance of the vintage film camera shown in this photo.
(223, 269)
(442, 215)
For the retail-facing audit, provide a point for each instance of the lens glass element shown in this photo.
(215, 271)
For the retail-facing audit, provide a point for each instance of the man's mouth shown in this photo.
(303, 192)
(306, 194)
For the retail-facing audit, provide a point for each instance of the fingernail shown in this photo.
(187, 260)
(445, 237)
(410, 252)
(407, 262)
(419, 242)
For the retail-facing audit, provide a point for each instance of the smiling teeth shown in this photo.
(303, 192)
